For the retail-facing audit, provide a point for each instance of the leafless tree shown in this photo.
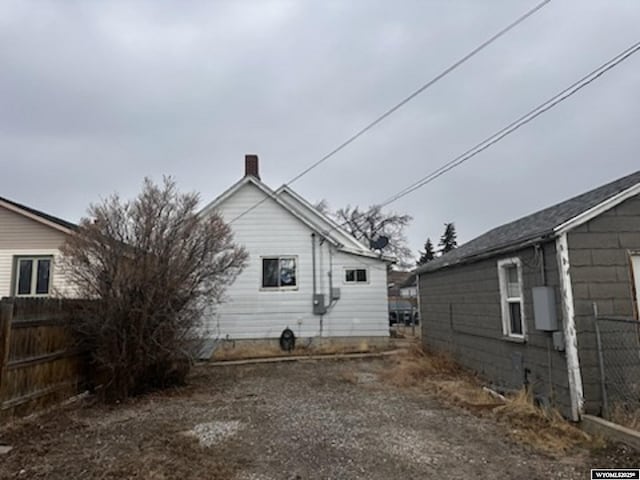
(368, 225)
(152, 268)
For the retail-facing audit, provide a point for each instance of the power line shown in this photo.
(510, 128)
(515, 125)
(431, 82)
(403, 102)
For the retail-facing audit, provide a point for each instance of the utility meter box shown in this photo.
(318, 304)
(544, 309)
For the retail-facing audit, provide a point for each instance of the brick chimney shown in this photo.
(251, 166)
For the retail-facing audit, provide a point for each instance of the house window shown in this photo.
(510, 275)
(33, 276)
(279, 272)
(356, 275)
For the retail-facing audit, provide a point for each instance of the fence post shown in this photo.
(6, 316)
(603, 382)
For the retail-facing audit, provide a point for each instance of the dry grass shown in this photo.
(417, 366)
(629, 418)
(544, 429)
(526, 422)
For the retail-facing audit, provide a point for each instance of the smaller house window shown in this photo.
(356, 275)
(33, 276)
(510, 276)
(279, 272)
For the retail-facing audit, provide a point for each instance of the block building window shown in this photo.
(279, 272)
(510, 276)
(356, 275)
(32, 276)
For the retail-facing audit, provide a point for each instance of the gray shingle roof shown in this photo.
(532, 227)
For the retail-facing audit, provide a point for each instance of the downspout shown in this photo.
(543, 279)
(315, 285)
(313, 263)
(543, 273)
(570, 335)
(330, 273)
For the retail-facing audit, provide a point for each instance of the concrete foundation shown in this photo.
(268, 347)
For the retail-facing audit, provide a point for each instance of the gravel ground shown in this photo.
(303, 420)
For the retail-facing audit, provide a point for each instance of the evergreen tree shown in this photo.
(428, 253)
(448, 240)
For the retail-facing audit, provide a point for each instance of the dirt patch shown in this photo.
(280, 421)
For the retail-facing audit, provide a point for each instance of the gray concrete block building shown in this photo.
(516, 303)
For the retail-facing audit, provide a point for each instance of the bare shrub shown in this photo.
(153, 269)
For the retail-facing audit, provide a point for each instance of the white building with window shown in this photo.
(29, 250)
(304, 273)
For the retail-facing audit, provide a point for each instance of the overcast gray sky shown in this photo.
(94, 96)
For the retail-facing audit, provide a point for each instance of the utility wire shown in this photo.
(403, 102)
(515, 125)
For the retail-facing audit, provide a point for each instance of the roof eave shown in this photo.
(14, 208)
(491, 253)
(599, 209)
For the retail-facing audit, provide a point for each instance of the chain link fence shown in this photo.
(618, 341)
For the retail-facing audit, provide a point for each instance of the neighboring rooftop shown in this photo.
(537, 226)
(43, 215)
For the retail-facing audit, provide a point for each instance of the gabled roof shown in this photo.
(543, 225)
(38, 216)
(327, 224)
(301, 210)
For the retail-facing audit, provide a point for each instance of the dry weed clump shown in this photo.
(544, 429)
(418, 367)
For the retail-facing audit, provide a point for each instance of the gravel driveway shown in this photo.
(300, 420)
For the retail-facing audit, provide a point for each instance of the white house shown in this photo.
(29, 248)
(304, 271)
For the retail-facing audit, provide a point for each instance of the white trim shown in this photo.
(286, 288)
(224, 195)
(368, 254)
(269, 193)
(362, 251)
(569, 321)
(35, 261)
(35, 217)
(314, 211)
(634, 260)
(505, 300)
(418, 303)
(593, 212)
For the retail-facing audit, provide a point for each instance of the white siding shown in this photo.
(251, 312)
(21, 236)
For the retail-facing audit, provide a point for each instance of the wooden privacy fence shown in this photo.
(40, 360)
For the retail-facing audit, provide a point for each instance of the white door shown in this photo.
(635, 263)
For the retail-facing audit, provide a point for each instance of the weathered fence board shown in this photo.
(40, 359)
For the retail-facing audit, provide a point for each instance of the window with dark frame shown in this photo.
(33, 276)
(279, 272)
(356, 275)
